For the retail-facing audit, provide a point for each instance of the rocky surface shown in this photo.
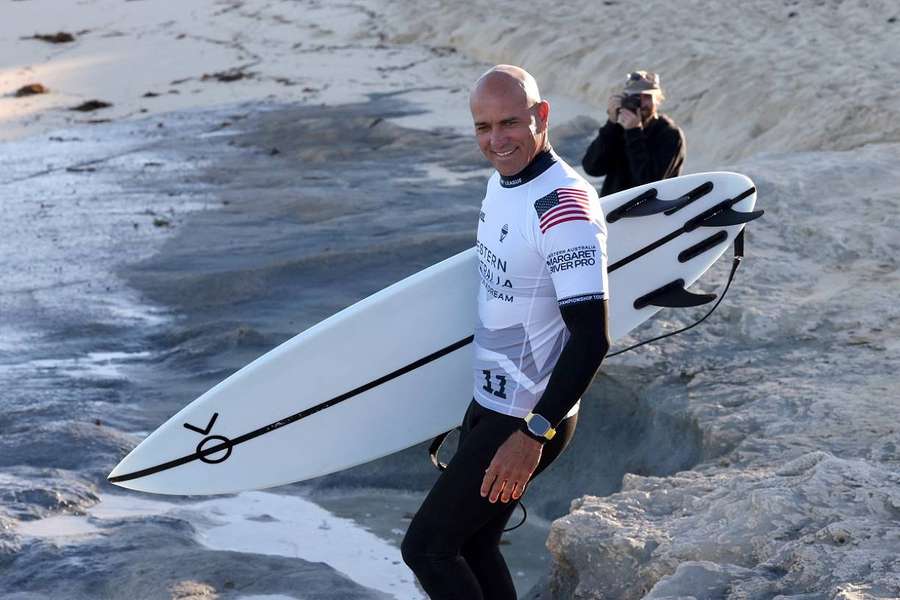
(816, 524)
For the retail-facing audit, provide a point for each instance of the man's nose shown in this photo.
(498, 138)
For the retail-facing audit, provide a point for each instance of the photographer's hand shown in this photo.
(613, 106)
(629, 119)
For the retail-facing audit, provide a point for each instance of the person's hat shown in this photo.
(642, 82)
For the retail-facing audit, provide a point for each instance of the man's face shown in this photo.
(509, 133)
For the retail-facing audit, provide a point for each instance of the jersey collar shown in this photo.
(540, 163)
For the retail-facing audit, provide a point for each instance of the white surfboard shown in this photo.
(394, 369)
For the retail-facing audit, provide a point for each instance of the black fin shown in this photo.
(648, 204)
(672, 295)
(728, 217)
(627, 207)
(679, 203)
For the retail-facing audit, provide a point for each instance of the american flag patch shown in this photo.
(562, 205)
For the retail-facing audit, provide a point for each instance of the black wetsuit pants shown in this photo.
(453, 542)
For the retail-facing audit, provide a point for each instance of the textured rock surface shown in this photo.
(814, 523)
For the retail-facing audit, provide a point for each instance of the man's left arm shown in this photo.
(588, 344)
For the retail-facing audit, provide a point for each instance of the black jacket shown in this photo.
(636, 156)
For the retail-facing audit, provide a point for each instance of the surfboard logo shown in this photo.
(504, 231)
(204, 452)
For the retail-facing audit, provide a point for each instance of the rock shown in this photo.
(32, 89)
(227, 76)
(91, 105)
(27, 493)
(698, 579)
(69, 445)
(61, 37)
(809, 525)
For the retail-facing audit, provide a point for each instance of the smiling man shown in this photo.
(541, 336)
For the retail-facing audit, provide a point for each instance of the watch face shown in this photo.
(538, 425)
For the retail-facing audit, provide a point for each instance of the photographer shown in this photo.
(637, 145)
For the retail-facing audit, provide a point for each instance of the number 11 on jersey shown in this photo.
(500, 392)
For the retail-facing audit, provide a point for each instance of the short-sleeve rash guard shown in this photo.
(541, 244)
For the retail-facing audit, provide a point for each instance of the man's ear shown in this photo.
(543, 113)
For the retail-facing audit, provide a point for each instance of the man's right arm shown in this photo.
(609, 141)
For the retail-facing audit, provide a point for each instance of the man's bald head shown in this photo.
(510, 81)
(511, 120)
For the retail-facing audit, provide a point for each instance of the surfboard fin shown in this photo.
(728, 217)
(672, 295)
(648, 204)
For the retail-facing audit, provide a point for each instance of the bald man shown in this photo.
(541, 336)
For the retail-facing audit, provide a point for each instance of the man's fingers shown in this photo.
(514, 489)
(508, 491)
(489, 476)
(519, 490)
(497, 489)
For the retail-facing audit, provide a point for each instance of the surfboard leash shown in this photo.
(736, 262)
(433, 451)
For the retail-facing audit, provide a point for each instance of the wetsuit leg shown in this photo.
(455, 521)
(482, 554)
(482, 551)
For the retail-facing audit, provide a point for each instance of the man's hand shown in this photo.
(629, 119)
(512, 468)
(613, 106)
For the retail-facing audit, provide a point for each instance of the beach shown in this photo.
(262, 165)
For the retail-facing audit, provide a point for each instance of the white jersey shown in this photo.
(541, 245)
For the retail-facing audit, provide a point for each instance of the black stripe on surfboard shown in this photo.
(226, 446)
(690, 225)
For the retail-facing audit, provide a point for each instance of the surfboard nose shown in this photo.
(125, 476)
(133, 473)
(122, 475)
(114, 476)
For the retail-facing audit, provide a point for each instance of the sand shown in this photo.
(741, 77)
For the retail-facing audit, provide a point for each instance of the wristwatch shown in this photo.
(539, 427)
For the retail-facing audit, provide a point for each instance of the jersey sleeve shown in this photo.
(570, 234)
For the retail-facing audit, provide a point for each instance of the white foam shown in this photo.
(61, 529)
(93, 365)
(256, 523)
(304, 530)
